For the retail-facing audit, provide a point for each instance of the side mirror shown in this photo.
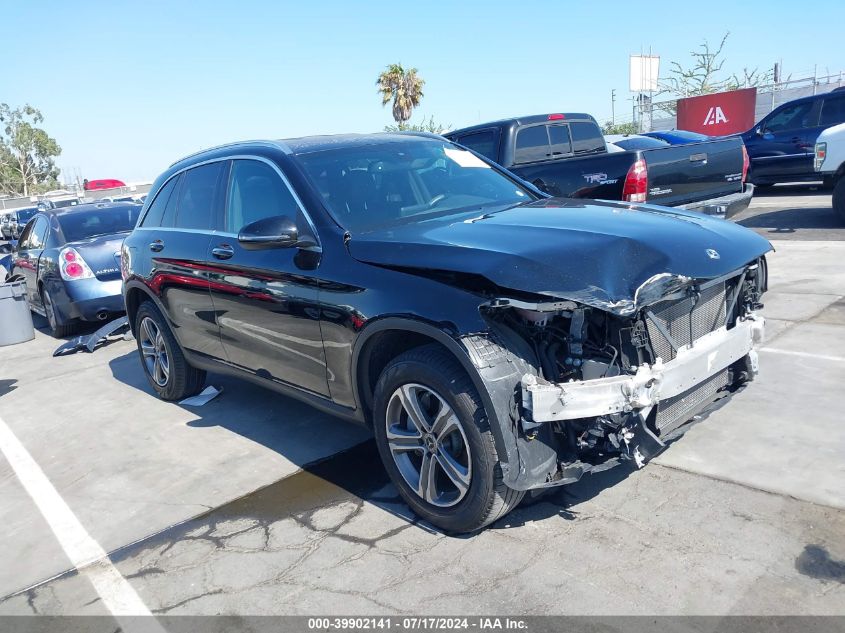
(274, 232)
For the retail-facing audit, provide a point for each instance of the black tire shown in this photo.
(486, 498)
(182, 379)
(839, 199)
(57, 328)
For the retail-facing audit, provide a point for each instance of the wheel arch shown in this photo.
(387, 338)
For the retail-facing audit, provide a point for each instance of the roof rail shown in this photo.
(266, 143)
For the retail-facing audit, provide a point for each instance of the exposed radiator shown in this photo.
(674, 411)
(686, 320)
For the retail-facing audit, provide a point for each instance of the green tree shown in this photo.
(703, 76)
(404, 87)
(27, 152)
(426, 125)
(620, 128)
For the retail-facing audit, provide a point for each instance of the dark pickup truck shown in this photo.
(565, 155)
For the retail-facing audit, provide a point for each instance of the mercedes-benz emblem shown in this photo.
(712, 253)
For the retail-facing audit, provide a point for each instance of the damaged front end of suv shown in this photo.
(600, 382)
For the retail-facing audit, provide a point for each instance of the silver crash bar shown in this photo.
(693, 364)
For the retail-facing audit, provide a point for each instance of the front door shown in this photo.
(266, 300)
(784, 148)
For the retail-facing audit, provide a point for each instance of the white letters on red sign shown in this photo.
(715, 116)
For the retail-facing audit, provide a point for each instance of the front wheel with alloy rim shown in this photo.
(164, 363)
(58, 328)
(434, 438)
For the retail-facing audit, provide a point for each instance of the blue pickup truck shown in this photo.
(781, 144)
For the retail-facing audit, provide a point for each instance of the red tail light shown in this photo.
(72, 266)
(745, 163)
(636, 182)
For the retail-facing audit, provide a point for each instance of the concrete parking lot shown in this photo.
(257, 504)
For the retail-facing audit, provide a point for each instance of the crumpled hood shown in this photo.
(613, 256)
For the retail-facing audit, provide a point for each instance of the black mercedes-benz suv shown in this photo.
(495, 340)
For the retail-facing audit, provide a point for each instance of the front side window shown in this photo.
(256, 192)
(532, 144)
(833, 111)
(195, 207)
(406, 181)
(792, 117)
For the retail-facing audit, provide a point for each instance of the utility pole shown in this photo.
(613, 107)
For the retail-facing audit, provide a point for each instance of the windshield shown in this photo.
(396, 182)
(81, 225)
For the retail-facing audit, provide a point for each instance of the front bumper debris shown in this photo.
(693, 364)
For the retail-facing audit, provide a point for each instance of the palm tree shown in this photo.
(404, 87)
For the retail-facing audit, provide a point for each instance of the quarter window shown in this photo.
(484, 143)
(196, 198)
(256, 192)
(156, 213)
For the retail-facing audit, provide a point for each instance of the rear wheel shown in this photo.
(163, 361)
(435, 441)
(839, 199)
(58, 328)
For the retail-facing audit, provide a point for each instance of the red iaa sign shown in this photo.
(720, 113)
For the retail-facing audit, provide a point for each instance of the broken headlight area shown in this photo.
(605, 387)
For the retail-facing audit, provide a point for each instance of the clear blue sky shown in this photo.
(128, 87)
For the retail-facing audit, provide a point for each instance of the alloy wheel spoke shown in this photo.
(147, 349)
(445, 423)
(457, 473)
(427, 487)
(150, 330)
(401, 442)
(411, 403)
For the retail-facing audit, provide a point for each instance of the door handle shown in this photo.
(157, 246)
(224, 251)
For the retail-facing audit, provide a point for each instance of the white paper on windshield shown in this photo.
(465, 158)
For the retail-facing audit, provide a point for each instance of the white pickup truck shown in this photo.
(830, 161)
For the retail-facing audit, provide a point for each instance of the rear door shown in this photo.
(266, 300)
(785, 148)
(30, 247)
(178, 228)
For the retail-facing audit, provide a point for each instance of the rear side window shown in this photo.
(156, 214)
(833, 111)
(38, 233)
(532, 144)
(484, 143)
(195, 208)
(586, 137)
(256, 192)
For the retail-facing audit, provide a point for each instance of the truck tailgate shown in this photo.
(681, 174)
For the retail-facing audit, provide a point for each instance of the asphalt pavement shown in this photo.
(257, 504)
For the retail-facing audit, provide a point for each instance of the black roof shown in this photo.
(526, 120)
(307, 144)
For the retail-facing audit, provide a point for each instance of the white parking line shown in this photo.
(84, 552)
(774, 350)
